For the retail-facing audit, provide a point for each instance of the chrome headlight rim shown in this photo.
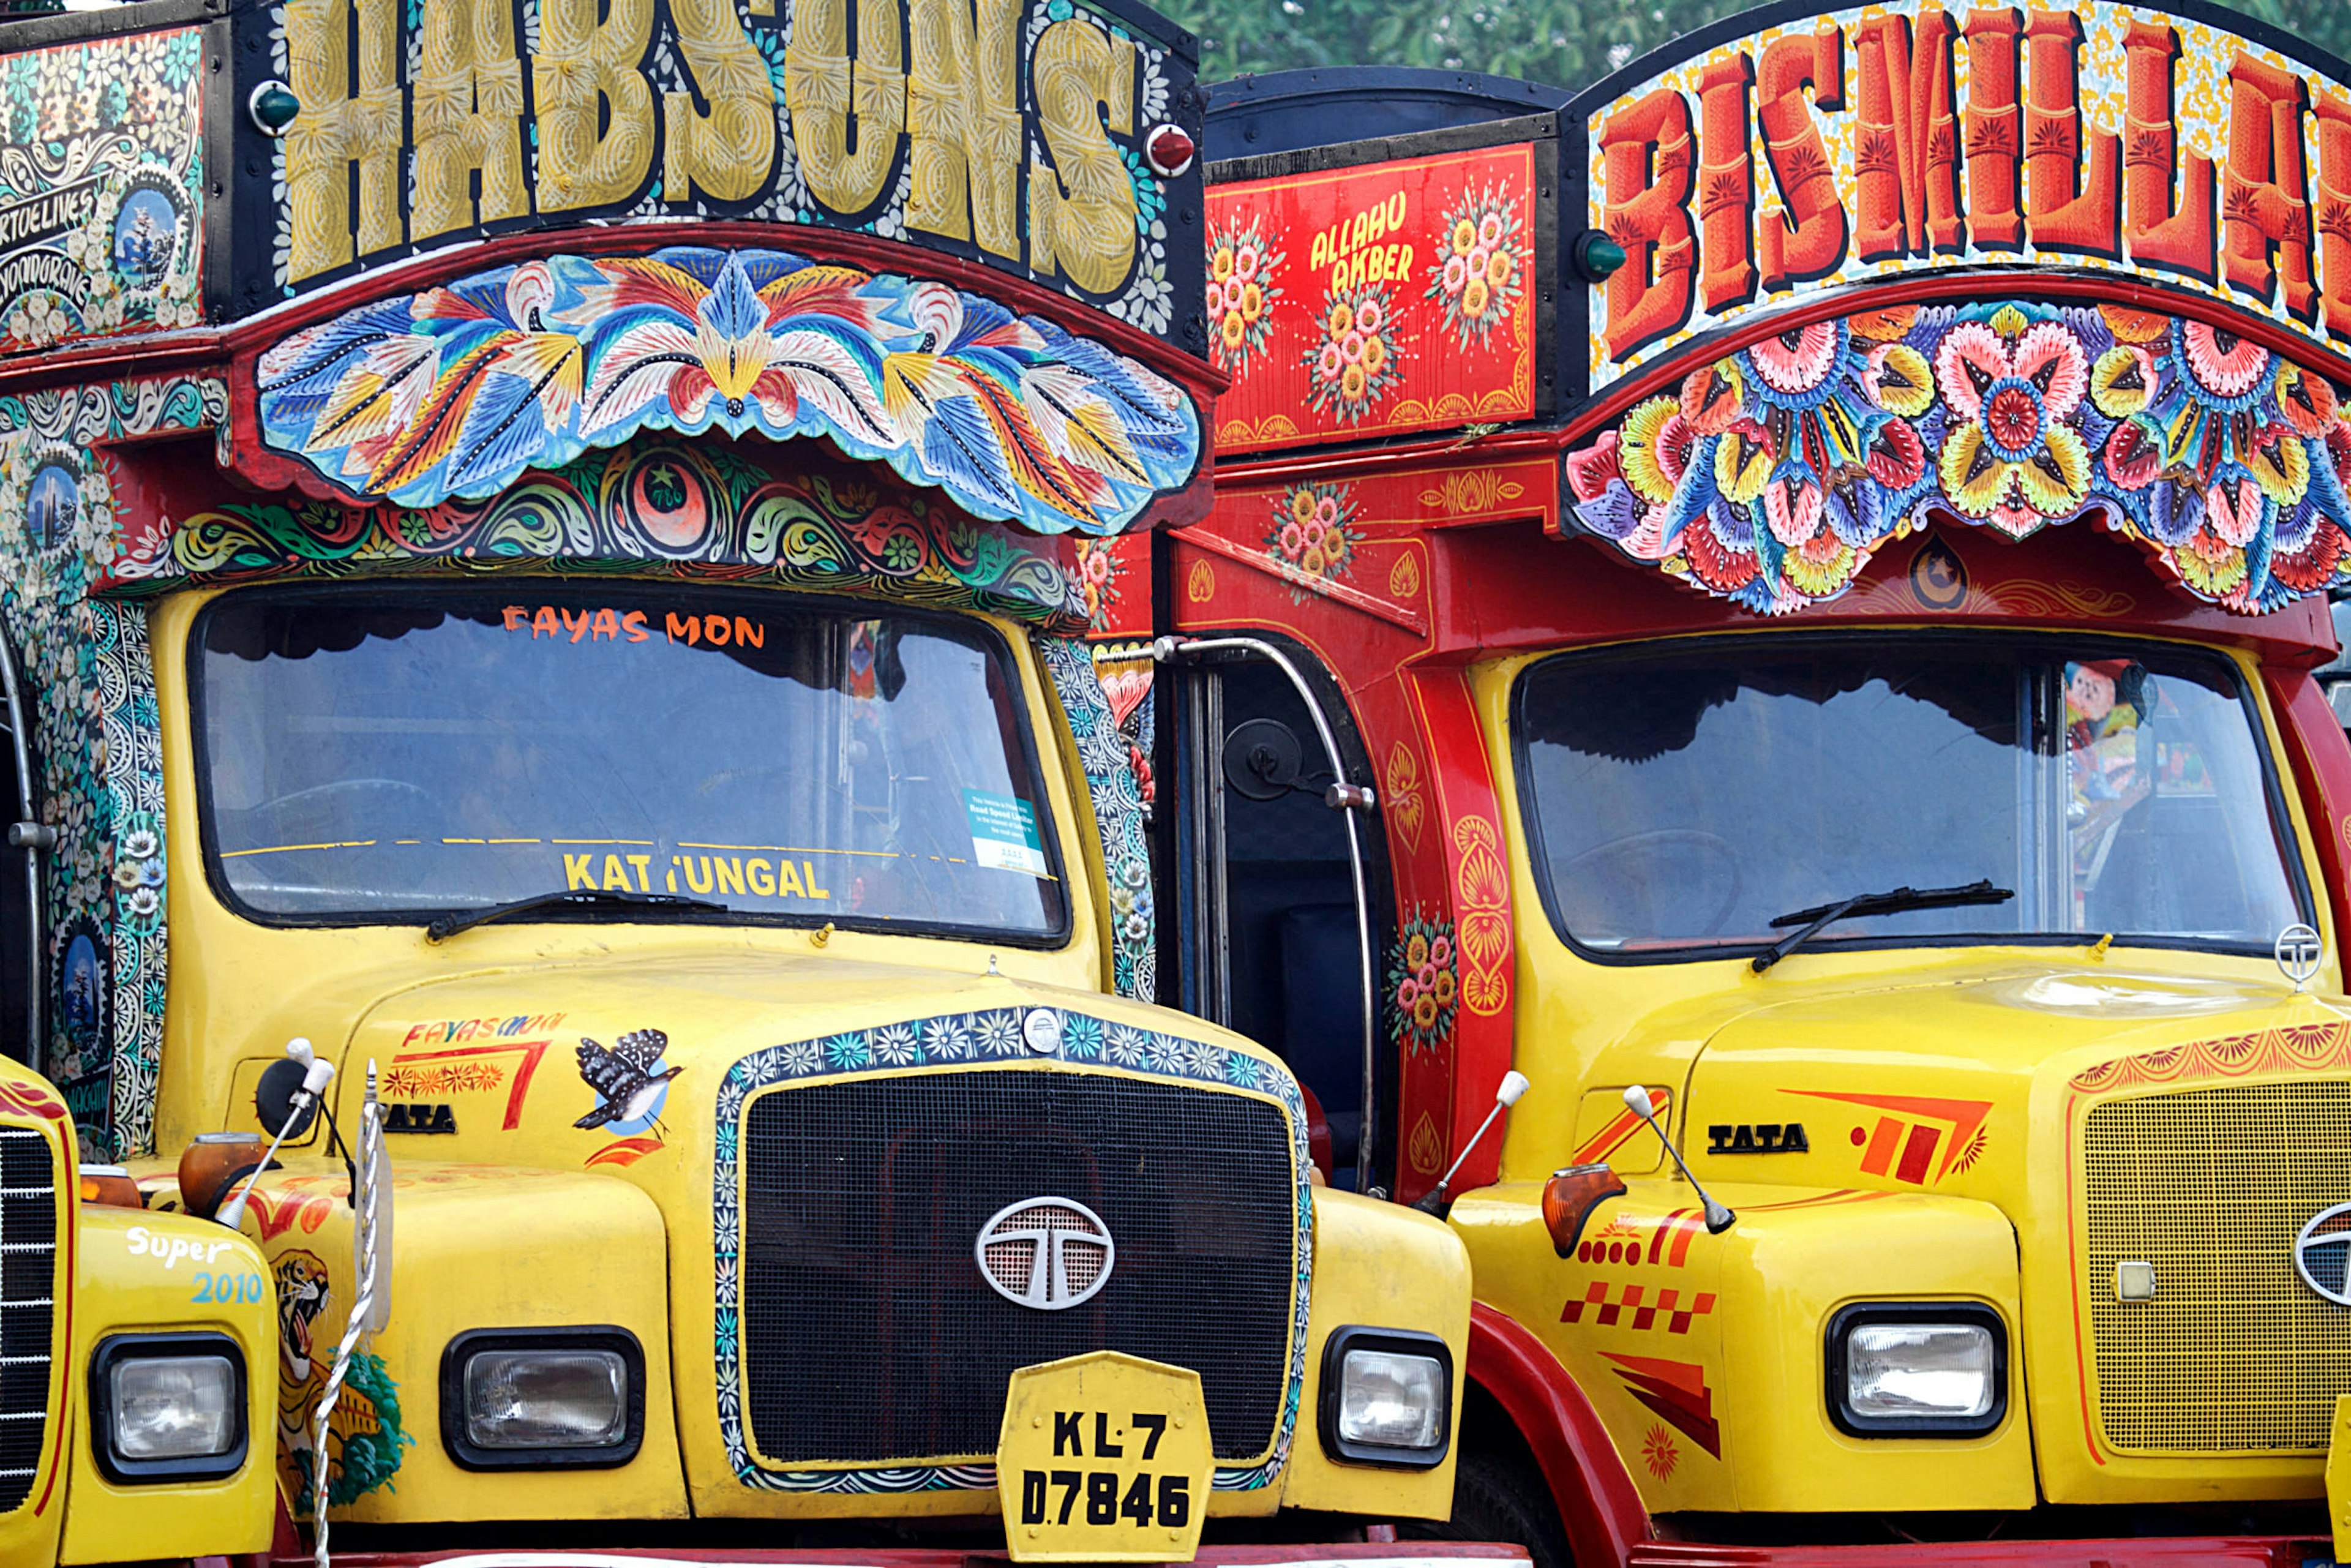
(459, 1353)
(1861, 1315)
(113, 1350)
(1402, 1342)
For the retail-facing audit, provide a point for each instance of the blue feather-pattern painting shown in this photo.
(454, 392)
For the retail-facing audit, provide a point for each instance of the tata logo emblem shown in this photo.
(1050, 1253)
(2323, 1251)
(2299, 951)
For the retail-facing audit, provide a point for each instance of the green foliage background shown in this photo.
(1568, 43)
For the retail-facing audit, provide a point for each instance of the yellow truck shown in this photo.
(584, 889)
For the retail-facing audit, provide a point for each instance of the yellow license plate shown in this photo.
(1103, 1459)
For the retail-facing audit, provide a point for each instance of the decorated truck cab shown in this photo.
(1820, 545)
(538, 546)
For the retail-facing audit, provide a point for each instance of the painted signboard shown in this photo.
(2189, 147)
(1377, 298)
(1006, 132)
(101, 190)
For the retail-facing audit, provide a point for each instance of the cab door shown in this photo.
(1268, 933)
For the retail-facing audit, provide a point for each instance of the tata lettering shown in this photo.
(986, 127)
(1911, 137)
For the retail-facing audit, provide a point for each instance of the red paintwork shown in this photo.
(1597, 1500)
(2266, 1550)
(2321, 754)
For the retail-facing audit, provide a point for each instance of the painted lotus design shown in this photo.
(1771, 475)
(454, 393)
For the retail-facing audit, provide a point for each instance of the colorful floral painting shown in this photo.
(102, 176)
(1243, 269)
(454, 393)
(653, 506)
(1314, 534)
(1771, 475)
(1354, 360)
(1423, 984)
(1098, 574)
(1480, 272)
(1121, 815)
(84, 666)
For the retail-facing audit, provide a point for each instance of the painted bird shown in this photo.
(624, 1076)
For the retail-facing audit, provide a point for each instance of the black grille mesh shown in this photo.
(28, 1260)
(868, 1333)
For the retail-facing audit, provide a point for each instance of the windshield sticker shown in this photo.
(1004, 832)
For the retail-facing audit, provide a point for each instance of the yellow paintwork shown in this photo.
(2338, 1478)
(1102, 1392)
(127, 1283)
(1996, 1033)
(521, 1217)
(1382, 1267)
(29, 1533)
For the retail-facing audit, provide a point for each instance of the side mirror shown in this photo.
(273, 1100)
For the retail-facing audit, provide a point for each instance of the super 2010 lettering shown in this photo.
(169, 1249)
(230, 1290)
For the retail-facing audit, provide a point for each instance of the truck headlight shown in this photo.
(543, 1398)
(1387, 1398)
(168, 1406)
(1923, 1369)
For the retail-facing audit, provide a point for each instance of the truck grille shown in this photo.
(28, 1257)
(868, 1330)
(2211, 1186)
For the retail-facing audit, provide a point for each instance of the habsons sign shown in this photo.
(2184, 147)
(1006, 132)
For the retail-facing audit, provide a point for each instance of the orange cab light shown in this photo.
(111, 1187)
(1568, 1198)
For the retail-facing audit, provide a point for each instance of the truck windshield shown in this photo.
(390, 753)
(1679, 800)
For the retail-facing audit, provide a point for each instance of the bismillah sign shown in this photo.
(2190, 149)
(1007, 132)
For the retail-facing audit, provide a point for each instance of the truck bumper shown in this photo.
(2167, 1552)
(1345, 1555)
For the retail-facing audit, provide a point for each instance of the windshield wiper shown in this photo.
(1897, 901)
(448, 926)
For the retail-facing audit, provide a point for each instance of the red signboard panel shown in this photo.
(1375, 299)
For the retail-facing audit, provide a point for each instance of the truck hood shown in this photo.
(592, 1062)
(1931, 1079)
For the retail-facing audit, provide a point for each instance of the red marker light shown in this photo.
(1170, 149)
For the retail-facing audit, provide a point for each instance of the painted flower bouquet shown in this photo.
(1355, 358)
(1312, 535)
(1241, 291)
(1477, 278)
